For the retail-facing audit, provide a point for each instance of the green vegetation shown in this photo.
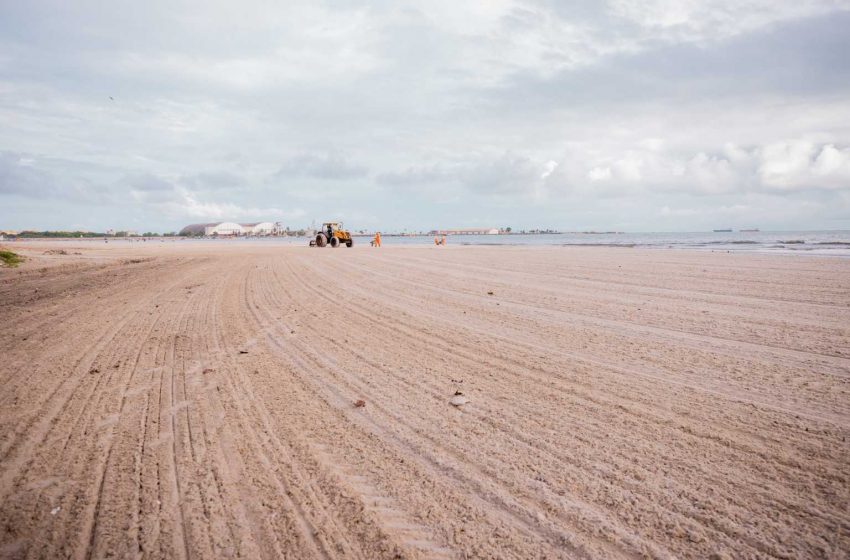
(10, 259)
(63, 234)
(88, 234)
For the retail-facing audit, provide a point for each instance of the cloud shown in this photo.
(508, 174)
(509, 111)
(330, 166)
(648, 165)
(148, 183)
(794, 165)
(19, 176)
(181, 204)
(418, 175)
(505, 174)
(194, 208)
(803, 164)
(548, 168)
(31, 176)
(711, 21)
(213, 180)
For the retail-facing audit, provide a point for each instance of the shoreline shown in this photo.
(32, 246)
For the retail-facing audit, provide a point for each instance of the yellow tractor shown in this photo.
(332, 234)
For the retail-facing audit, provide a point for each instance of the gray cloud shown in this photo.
(213, 180)
(149, 183)
(505, 174)
(330, 166)
(415, 176)
(520, 112)
(46, 179)
(18, 176)
(797, 58)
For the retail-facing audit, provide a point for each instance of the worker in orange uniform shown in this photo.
(377, 240)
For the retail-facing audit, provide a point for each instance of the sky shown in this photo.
(629, 115)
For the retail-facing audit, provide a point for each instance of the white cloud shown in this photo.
(701, 21)
(599, 174)
(798, 165)
(212, 210)
(549, 168)
(405, 112)
(803, 164)
(832, 162)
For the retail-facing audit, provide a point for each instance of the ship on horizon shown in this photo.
(723, 231)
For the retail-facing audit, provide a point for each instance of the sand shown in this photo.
(184, 400)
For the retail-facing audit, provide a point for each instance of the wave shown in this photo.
(627, 245)
(737, 242)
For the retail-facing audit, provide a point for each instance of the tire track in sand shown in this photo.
(416, 445)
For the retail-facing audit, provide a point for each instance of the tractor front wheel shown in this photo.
(334, 242)
(321, 240)
(349, 243)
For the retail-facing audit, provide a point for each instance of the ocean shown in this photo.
(831, 243)
(835, 243)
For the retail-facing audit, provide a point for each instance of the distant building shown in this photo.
(259, 228)
(221, 229)
(466, 231)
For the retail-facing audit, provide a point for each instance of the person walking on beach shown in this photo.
(377, 241)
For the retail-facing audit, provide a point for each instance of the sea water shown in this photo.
(834, 242)
(795, 242)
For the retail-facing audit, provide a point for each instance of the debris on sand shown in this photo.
(458, 399)
(489, 293)
(55, 510)
(360, 403)
(61, 252)
(243, 351)
(207, 370)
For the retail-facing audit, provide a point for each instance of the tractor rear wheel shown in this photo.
(321, 240)
(334, 242)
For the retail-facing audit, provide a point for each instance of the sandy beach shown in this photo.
(197, 400)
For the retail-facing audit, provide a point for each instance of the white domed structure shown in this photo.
(260, 228)
(221, 229)
(213, 229)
